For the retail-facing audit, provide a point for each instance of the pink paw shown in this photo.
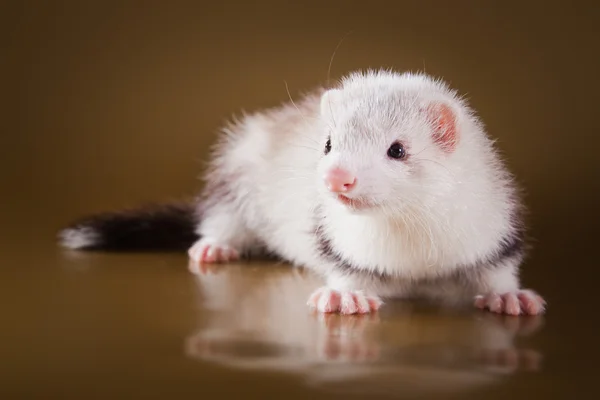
(327, 300)
(520, 302)
(207, 251)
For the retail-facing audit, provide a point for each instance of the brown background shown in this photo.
(109, 104)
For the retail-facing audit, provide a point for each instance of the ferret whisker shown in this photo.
(296, 179)
(440, 164)
(309, 138)
(422, 150)
(287, 89)
(304, 147)
(329, 74)
(295, 172)
(331, 113)
(333, 55)
(304, 118)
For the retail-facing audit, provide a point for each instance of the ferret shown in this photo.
(387, 185)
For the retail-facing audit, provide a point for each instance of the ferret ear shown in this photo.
(329, 99)
(445, 131)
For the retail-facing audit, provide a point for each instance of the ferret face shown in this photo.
(384, 148)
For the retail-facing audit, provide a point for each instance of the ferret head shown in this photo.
(389, 142)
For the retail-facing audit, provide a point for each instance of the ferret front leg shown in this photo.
(223, 237)
(345, 294)
(499, 291)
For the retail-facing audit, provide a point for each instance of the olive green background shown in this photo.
(110, 104)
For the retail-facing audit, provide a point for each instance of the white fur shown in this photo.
(435, 211)
(78, 238)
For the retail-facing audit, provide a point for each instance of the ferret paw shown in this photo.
(520, 302)
(208, 251)
(327, 300)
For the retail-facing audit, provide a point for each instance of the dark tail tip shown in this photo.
(154, 227)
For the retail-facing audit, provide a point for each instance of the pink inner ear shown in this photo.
(445, 132)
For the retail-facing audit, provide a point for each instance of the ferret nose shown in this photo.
(339, 180)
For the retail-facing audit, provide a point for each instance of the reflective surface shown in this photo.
(257, 321)
(113, 105)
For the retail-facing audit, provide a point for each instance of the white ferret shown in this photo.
(387, 185)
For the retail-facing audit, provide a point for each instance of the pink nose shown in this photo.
(339, 180)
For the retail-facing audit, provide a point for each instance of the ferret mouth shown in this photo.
(355, 204)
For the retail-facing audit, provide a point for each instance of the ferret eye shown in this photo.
(328, 146)
(396, 151)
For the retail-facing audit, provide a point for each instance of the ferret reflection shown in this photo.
(254, 319)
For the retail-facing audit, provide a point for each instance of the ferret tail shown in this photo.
(148, 228)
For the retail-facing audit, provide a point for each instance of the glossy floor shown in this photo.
(105, 325)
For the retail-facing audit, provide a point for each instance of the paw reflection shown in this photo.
(510, 360)
(198, 268)
(199, 347)
(348, 323)
(257, 319)
(517, 326)
(346, 339)
(214, 345)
